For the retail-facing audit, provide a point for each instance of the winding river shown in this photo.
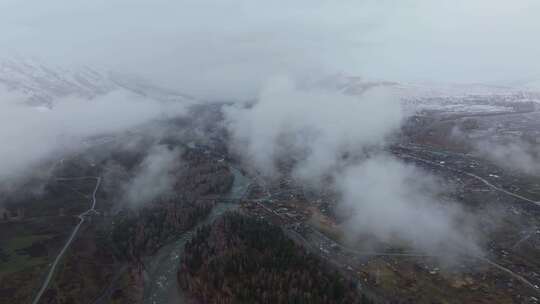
(161, 286)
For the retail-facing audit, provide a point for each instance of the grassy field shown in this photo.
(25, 260)
(17, 258)
(32, 242)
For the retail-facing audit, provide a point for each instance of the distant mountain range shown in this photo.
(40, 84)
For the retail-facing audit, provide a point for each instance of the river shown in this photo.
(161, 286)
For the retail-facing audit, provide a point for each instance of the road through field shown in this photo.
(71, 237)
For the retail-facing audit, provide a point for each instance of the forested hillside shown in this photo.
(240, 259)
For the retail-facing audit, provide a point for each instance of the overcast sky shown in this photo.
(229, 46)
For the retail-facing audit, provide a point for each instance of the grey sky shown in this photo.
(227, 48)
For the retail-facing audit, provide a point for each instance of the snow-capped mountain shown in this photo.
(40, 84)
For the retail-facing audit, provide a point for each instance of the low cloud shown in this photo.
(229, 48)
(316, 127)
(323, 133)
(394, 201)
(32, 135)
(518, 155)
(153, 178)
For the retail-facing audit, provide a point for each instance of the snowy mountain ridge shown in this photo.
(39, 84)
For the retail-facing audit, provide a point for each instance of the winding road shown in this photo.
(71, 237)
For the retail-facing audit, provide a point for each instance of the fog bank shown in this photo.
(518, 155)
(323, 134)
(312, 125)
(30, 135)
(153, 178)
(399, 202)
(228, 49)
